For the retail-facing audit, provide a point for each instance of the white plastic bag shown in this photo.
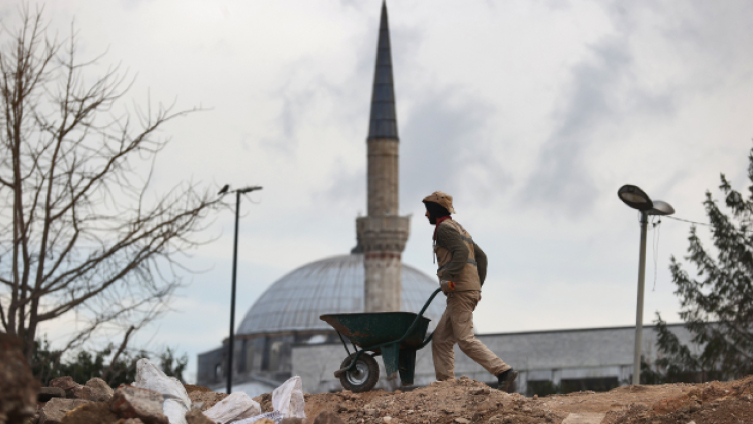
(235, 407)
(177, 402)
(275, 416)
(288, 398)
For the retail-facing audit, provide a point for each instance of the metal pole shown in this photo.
(231, 344)
(639, 309)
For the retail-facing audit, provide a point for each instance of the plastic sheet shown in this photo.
(275, 416)
(177, 402)
(288, 398)
(235, 407)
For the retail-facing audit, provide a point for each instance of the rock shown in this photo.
(80, 392)
(195, 416)
(18, 387)
(327, 417)
(100, 390)
(292, 420)
(54, 410)
(133, 402)
(462, 421)
(90, 412)
(47, 393)
(66, 383)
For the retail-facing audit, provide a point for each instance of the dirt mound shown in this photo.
(458, 401)
(464, 401)
(714, 402)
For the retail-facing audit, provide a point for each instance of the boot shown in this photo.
(506, 378)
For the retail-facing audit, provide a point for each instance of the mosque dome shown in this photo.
(331, 285)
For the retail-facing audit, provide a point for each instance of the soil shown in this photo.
(464, 401)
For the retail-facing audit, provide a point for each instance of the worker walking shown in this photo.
(461, 270)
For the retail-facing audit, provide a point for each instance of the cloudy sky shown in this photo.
(530, 113)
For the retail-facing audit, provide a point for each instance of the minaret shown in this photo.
(383, 233)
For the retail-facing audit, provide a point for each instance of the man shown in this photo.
(461, 271)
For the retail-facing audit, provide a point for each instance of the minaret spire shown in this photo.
(383, 233)
(383, 119)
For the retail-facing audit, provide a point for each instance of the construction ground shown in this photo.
(463, 401)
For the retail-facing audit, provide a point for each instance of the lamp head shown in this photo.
(635, 197)
(661, 208)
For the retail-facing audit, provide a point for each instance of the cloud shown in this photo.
(445, 145)
(560, 174)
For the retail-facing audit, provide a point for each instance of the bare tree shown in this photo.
(79, 230)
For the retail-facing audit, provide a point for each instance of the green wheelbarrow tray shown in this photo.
(396, 336)
(379, 328)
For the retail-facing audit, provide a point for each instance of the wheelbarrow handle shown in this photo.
(418, 317)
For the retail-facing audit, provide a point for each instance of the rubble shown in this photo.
(68, 385)
(90, 412)
(54, 410)
(134, 402)
(100, 391)
(47, 393)
(18, 387)
(459, 401)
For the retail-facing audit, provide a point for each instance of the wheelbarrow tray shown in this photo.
(368, 330)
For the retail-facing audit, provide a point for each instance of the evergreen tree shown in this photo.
(84, 365)
(717, 305)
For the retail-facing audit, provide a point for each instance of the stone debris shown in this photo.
(459, 401)
(47, 393)
(18, 387)
(54, 410)
(67, 384)
(133, 402)
(90, 412)
(100, 391)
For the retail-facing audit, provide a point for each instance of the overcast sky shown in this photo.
(530, 113)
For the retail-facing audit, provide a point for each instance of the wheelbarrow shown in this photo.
(396, 336)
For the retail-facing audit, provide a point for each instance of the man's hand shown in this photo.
(447, 286)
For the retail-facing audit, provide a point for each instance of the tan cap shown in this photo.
(441, 198)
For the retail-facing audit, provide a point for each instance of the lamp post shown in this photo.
(231, 342)
(638, 199)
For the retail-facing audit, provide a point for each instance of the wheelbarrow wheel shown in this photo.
(363, 377)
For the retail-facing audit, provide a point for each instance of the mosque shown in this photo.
(281, 334)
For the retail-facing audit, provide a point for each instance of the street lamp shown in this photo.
(638, 199)
(231, 344)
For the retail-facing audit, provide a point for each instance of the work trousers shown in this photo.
(456, 326)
